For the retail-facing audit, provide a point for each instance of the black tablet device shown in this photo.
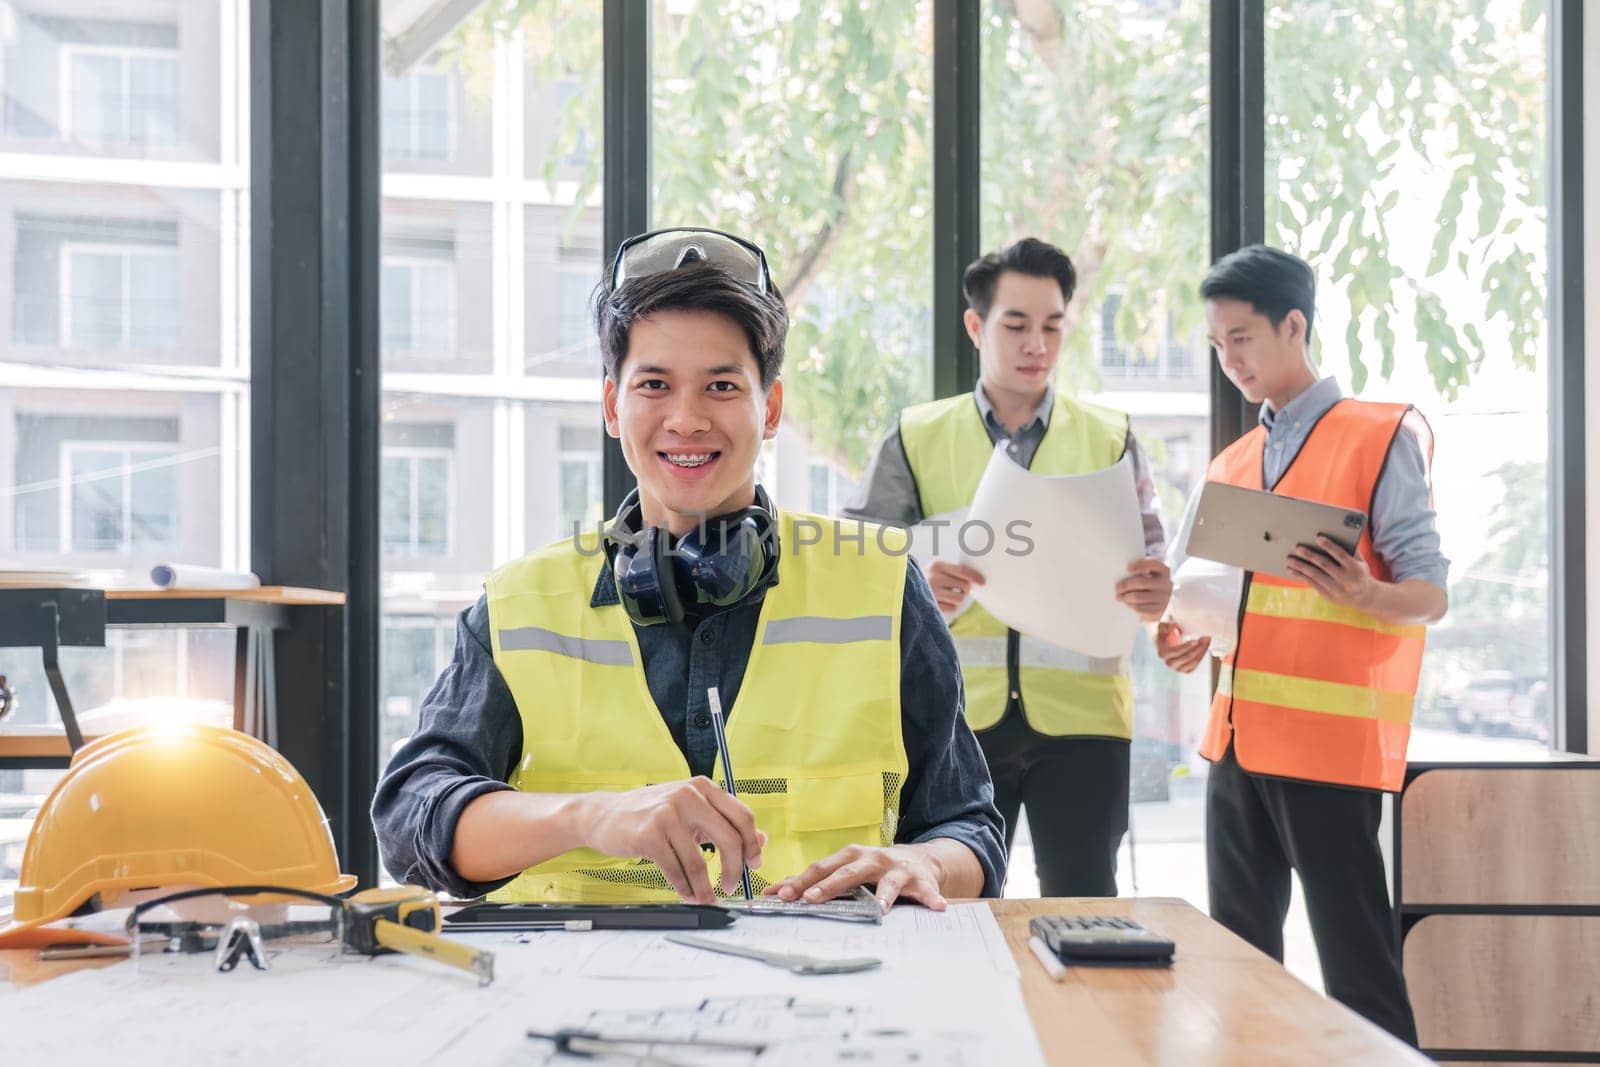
(490, 916)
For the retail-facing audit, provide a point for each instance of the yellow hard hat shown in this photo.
(156, 806)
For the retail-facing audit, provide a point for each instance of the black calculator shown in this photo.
(1101, 939)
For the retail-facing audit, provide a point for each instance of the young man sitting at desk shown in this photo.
(568, 751)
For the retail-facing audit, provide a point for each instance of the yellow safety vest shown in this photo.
(1063, 693)
(814, 735)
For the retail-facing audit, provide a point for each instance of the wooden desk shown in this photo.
(51, 618)
(1221, 1003)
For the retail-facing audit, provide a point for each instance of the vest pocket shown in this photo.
(841, 802)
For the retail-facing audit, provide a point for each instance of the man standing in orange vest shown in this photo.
(1312, 712)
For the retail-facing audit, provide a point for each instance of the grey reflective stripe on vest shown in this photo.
(981, 651)
(991, 652)
(588, 649)
(1225, 680)
(824, 630)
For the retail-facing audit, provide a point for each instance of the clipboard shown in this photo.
(1256, 530)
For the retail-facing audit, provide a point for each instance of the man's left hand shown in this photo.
(1334, 573)
(898, 871)
(1147, 588)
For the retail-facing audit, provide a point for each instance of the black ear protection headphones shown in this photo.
(720, 562)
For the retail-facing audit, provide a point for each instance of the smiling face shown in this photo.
(1268, 363)
(688, 407)
(1019, 343)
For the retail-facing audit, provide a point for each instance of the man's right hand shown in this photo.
(951, 582)
(1181, 654)
(668, 823)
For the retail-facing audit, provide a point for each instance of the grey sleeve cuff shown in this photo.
(438, 826)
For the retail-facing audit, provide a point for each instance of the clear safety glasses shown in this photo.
(666, 250)
(206, 930)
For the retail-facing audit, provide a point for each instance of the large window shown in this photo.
(124, 387)
(491, 379)
(1408, 165)
(1091, 118)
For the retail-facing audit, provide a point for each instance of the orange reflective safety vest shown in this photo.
(1316, 690)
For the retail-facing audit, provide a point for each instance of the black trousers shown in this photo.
(1076, 793)
(1257, 828)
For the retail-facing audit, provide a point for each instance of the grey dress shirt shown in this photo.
(888, 492)
(1404, 532)
(469, 736)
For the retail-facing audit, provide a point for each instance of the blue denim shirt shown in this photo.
(1404, 530)
(469, 736)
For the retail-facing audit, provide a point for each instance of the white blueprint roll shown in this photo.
(184, 576)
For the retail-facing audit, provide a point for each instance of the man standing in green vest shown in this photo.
(1054, 725)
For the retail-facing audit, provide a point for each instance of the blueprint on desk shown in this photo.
(947, 994)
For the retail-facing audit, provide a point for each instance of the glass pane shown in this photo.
(482, 367)
(95, 299)
(149, 663)
(807, 127)
(580, 497)
(819, 489)
(1122, 184)
(434, 135)
(115, 80)
(394, 300)
(438, 257)
(574, 324)
(434, 304)
(1407, 165)
(98, 270)
(153, 501)
(153, 100)
(397, 494)
(98, 105)
(413, 653)
(434, 505)
(398, 131)
(154, 313)
(99, 484)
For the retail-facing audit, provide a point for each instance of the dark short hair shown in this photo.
(692, 287)
(1030, 256)
(1271, 280)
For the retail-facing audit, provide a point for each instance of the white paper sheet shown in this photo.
(1084, 530)
(938, 537)
(935, 538)
(947, 994)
